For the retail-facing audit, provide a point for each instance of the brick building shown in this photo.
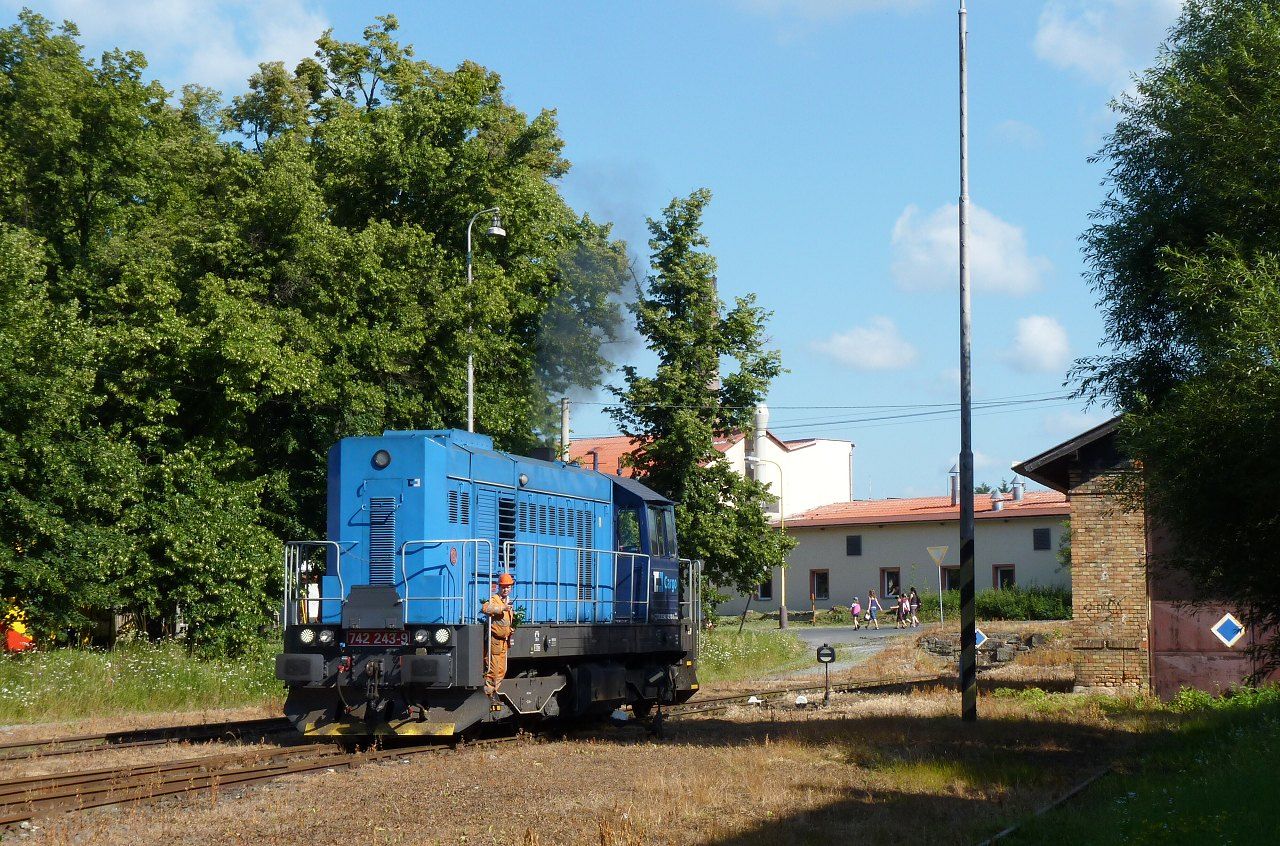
(1137, 628)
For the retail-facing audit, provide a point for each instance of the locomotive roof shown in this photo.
(644, 492)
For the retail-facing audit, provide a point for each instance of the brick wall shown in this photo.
(1108, 587)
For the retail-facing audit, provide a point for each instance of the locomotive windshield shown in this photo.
(662, 531)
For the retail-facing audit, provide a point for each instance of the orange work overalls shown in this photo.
(500, 630)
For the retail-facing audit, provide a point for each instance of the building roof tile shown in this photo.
(929, 509)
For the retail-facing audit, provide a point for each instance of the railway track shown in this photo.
(773, 695)
(204, 732)
(26, 798)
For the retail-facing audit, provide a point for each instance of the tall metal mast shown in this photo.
(968, 616)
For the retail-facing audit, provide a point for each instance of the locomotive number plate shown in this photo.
(378, 637)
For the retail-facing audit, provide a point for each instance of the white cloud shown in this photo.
(925, 252)
(217, 43)
(877, 346)
(823, 10)
(1019, 133)
(1068, 424)
(1106, 41)
(1039, 346)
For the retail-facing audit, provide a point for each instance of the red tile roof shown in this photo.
(929, 509)
(610, 450)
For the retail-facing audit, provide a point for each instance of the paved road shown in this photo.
(866, 643)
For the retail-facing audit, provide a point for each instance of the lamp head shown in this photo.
(495, 228)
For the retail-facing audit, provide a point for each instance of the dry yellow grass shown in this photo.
(862, 769)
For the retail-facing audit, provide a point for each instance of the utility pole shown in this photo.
(968, 611)
(564, 428)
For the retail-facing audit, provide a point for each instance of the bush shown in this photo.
(1033, 603)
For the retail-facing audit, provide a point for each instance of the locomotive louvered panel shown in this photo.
(524, 514)
(586, 559)
(453, 506)
(464, 507)
(382, 540)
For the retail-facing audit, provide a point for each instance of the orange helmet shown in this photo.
(506, 579)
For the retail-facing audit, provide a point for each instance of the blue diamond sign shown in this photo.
(1228, 629)
(980, 638)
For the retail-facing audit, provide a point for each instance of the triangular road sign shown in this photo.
(937, 553)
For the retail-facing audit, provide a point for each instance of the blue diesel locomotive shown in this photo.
(383, 628)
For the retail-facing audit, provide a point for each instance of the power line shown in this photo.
(1047, 395)
(991, 410)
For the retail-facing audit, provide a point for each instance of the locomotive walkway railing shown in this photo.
(585, 608)
(461, 598)
(295, 603)
(477, 570)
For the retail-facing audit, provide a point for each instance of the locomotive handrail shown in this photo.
(632, 602)
(508, 546)
(292, 578)
(462, 572)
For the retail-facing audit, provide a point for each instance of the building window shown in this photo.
(1002, 576)
(820, 584)
(766, 590)
(951, 578)
(1040, 539)
(853, 544)
(890, 581)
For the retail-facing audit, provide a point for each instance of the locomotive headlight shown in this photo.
(326, 636)
(441, 636)
(420, 636)
(381, 459)
(307, 636)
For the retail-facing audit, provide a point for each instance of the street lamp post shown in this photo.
(495, 228)
(782, 526)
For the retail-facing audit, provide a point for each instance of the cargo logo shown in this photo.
(664, 583)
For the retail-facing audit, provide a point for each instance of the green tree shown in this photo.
(1063, 553)
(193, 321)
(1183, 255)
(677, 414)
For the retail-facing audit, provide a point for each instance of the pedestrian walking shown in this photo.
(915, 609)
(855, 611)
(904, 611)
(873, 610)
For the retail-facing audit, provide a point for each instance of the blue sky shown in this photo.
(827, 130)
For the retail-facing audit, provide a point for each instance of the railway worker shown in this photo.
(14, 628)
(501, 628)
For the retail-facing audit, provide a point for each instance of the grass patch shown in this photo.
(725, 655)
(138, 677)
(1212, 777)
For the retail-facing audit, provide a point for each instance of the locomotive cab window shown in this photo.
(628, 520)
(662, 531)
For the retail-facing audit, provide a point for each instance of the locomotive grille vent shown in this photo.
(586, 559)
(382, 540)
(460, 507)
